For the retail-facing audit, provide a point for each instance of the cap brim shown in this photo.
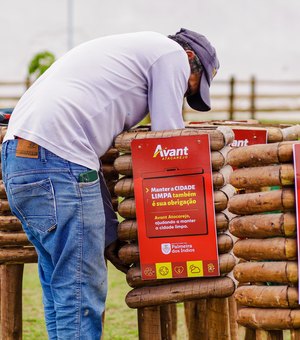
(201, 100)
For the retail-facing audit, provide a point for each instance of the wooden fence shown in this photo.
(11, 91)
(232, 98)
(254, 98)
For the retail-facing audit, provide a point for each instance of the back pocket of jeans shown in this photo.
(35, 202)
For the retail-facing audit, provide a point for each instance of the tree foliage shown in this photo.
(40, 63)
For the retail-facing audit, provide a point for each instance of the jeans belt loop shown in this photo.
(4, 150)
(43, 154)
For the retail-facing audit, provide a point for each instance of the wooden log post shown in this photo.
(250, 334)
(10, 223)
(227, 263)
(269, 318)
(217, 317)
(259, 202)
(277, 248)
(253, 98)
(127, 230)
(272, 175)
(110, 156)
(195, 318)
(225, 243)
(264, 225)
(283, 272)
(219, 137)
(218, 158)
(129, 253)
(168, 322)
(295, 334)
(291, 133)
(4, 206)
(11, 301)
(124, 187)
(123, 164)
(180, 291)
(2, 190)
(13, 239)
(109, 172)
(221, 178)
(17, 255)
(127, 208)
(261, 154)
(222, 220)
(278, 134)
(222, 197)
(232, 306)
(267, 296)
(149, 324)
(231, 109)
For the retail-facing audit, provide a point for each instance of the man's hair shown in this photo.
(196, 66)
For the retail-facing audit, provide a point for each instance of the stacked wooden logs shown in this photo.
(266, 227)
(275, 133)
(157, 296)
(14, 245)
(110, 174)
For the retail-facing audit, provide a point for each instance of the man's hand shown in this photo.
(111, 253)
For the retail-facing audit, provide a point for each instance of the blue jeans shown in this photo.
(65, 221)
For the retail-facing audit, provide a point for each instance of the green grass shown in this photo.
(33, 315)
(120, 320)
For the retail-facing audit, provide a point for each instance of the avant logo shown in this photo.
(170, 153)
(239, 142)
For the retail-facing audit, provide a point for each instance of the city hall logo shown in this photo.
(170, 154)
(166, 248)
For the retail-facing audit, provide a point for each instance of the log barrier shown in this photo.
(147, 295)
(265, 224)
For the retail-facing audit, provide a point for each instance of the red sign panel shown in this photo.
(250, 136)
(174, 207)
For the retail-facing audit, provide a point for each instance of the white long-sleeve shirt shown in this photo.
(99, 89)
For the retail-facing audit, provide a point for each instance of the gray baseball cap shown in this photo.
(208, 58)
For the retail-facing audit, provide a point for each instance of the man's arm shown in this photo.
(112, 244)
